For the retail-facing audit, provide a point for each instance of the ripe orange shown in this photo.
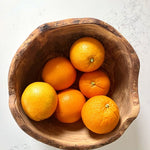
(59, 73)
(70, 103)
(100, 114)
(39, 101)
(94, 83)
(87, 54)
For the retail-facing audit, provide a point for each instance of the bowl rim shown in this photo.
(61, 23)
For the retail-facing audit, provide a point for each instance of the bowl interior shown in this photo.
(57, 42)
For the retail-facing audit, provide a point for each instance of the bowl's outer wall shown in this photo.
(35, 129)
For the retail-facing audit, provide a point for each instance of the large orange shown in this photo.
(59, 72)
(39, 100)
(100, 114)
(94, 83)
(70, 103)
(87, 54)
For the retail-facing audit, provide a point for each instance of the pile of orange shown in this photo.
(54, 95)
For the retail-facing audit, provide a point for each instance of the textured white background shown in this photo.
(18, 18)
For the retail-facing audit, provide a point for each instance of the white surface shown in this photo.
(19, 18)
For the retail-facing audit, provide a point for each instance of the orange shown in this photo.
(94, 83)
(87, 54)
(100, 114)
(39, 100)
(70, 103)
(59, 73)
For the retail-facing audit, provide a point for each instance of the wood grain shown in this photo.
(55, 39)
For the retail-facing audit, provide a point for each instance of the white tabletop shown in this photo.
(18, 18)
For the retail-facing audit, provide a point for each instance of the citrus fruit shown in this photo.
(59, 73)
(100, 114)
(87, 54)
(39, 100)
(70, 103)
(94, 83)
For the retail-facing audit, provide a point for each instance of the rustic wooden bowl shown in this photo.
(55, 39)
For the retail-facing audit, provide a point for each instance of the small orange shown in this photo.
(59, 73)
(94, 83)
(70, 103)
(100, 114)
(39, 100)
(87, 54)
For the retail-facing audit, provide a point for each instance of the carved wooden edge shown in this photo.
(12, 79)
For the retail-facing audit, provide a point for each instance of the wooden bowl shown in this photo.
(55, 39)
